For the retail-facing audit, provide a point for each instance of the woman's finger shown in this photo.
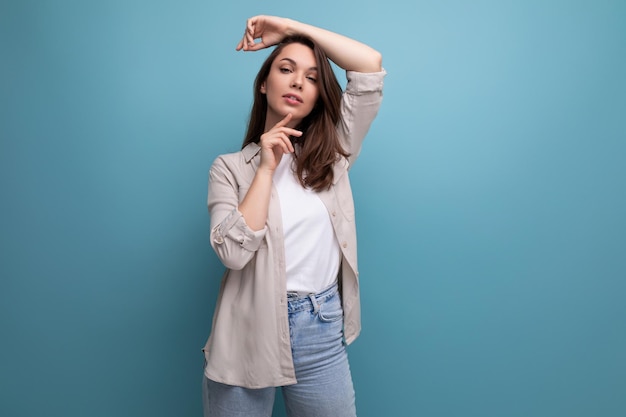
(285, 144)
(292, 132)
(284, 121)
(243, 43)
(250, 33)
(278, 138)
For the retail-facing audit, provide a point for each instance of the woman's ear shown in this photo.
(263, 89)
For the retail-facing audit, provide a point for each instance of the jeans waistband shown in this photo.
(298, 301)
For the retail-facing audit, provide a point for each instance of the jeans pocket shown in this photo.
(330, 312)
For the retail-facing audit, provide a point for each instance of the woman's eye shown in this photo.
(312, 79)
(285, 70)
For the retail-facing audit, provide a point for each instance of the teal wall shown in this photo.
(491, 203)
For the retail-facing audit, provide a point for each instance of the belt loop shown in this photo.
(316, 306)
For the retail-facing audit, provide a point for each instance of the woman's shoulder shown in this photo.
(237, 164)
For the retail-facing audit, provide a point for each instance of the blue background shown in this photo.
(490, 203)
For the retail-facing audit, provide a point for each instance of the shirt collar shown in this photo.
(250, 151)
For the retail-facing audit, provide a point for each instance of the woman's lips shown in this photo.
(292, 98)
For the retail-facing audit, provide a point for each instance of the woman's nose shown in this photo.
(297, 82)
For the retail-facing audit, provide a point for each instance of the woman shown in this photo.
(282, 222)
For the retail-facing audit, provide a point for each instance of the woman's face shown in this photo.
(291, 85)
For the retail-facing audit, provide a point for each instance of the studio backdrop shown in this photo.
(490, 199)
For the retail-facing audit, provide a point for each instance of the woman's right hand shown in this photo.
(269, 29)
(275, 142)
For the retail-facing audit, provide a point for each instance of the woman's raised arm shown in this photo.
(347, 53)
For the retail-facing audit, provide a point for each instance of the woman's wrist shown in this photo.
(293, 27)
(264, 173)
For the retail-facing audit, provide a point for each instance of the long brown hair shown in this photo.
(319, 146)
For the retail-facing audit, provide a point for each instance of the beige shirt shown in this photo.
(249, 345)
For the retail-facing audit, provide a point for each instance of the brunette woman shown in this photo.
(282, 222)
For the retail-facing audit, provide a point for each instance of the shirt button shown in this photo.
(344, 244)
(334, 213)
(219, 239)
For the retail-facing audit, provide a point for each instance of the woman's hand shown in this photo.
(270, 29)
(275, 142)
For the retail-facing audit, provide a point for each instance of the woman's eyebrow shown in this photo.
(292, 62)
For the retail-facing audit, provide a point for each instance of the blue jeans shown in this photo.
(324, 385)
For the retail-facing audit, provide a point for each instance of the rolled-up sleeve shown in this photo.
(359, 106)
(231, 238)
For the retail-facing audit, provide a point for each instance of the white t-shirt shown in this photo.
(312, 253)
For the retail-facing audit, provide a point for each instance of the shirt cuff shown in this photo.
(364, 82)
(234, 227)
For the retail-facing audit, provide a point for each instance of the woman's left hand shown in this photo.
(270, 29)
